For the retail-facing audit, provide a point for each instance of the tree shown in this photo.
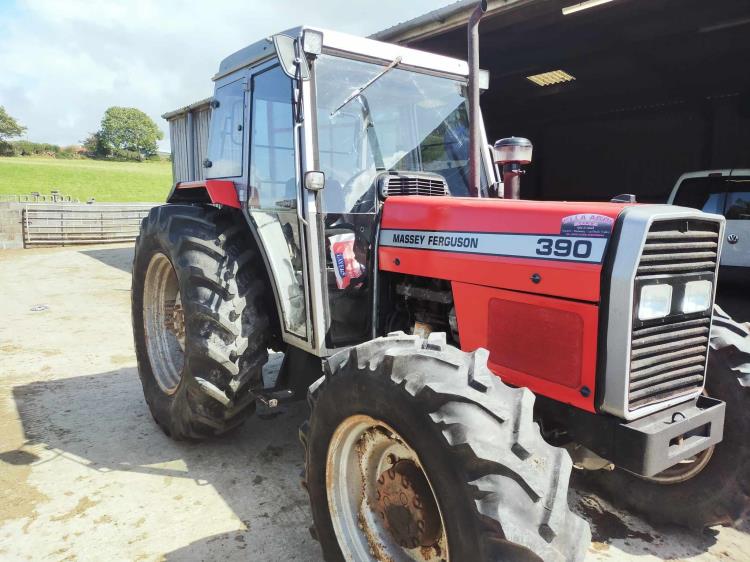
(95, 146)
(128, 131)
(9, 127)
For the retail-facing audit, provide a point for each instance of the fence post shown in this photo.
(25, 222)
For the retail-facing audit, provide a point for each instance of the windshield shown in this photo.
(403, 121)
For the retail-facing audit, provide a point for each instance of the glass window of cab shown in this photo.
(226, 132)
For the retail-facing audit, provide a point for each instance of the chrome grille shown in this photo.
(680, 246)
(413, 184)
(668, 359)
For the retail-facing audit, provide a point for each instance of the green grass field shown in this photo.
(82, 178)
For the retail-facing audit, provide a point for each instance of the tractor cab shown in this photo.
(315, 129)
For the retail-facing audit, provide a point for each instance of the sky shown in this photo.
(64, 62)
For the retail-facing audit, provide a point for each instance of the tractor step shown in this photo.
(272, 397)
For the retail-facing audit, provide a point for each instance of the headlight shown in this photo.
(697, 296)
(656, 302)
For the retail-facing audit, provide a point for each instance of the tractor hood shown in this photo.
(550, 248)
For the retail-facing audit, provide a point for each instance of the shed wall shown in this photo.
(188, 133)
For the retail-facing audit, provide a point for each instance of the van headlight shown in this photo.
(697, 296)
(655, 301)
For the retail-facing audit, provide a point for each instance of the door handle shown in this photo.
(733, 238)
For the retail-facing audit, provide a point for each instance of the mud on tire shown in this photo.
(221, 287)
(720, 492)
(502, 488)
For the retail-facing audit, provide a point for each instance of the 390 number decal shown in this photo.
(562, 248)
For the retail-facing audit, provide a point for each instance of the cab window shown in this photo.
(226, 133)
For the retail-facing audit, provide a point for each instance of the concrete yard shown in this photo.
(85, 473)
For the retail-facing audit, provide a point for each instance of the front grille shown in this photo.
(680, 246)
(668, 359)
(412, 183)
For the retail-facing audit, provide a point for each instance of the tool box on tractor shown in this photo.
(345, 209)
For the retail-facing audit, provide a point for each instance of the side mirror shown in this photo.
(315, 180)
(291, 57)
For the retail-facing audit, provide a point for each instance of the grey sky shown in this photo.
(63, 62)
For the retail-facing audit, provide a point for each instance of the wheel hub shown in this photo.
(407, 506)
(174, 320)
(384, 503)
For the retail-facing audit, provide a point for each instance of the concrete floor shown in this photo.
(85, 474)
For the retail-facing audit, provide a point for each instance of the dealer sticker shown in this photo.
(587, 225)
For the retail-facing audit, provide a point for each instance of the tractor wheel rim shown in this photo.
(380, 499)
(684, 470)
(164, 323)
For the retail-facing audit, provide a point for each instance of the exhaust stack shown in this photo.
(475, 141)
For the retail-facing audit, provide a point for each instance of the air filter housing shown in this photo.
(513, 150)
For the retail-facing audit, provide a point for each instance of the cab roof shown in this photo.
(336, 42)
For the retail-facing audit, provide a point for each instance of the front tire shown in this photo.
(714, 487)
(421, 453)
(199, 323)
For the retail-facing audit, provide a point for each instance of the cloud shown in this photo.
(63, 62)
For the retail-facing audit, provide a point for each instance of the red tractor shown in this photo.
(349, 213)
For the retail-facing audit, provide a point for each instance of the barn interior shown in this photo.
(655, 88)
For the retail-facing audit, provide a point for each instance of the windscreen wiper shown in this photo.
(372, 137)
(394, 63)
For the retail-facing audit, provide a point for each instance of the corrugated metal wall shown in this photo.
(178, 139)
(201, 120)
(189, 148)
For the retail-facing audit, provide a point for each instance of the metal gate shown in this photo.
(69, 223)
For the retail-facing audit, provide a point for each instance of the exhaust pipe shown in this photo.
(475, 141)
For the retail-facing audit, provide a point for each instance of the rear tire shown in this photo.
(716, 491)
(217, 279)
(500, 490)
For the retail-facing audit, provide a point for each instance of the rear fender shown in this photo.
(217, 192)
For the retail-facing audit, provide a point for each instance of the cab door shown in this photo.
(274, 198)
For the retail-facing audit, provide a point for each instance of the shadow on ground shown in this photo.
(102, 422)
(119, 258)
(734, 301)
(614, 527)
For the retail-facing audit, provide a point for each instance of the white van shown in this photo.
(727, 193)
